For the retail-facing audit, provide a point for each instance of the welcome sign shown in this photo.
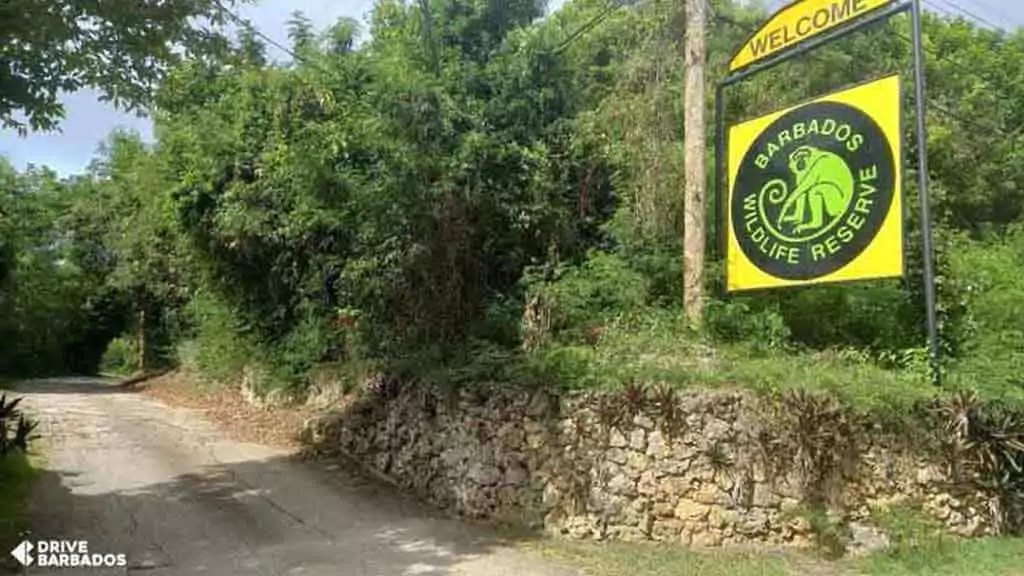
(799, 21)
(814, 191)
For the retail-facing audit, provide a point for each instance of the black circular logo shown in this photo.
(813, 191)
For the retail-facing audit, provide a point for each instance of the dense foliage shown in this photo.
(477, 181)
(120, 48)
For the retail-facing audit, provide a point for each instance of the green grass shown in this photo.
(621, 559)
(663, 354)
(981, 557)
(655, 348)
(16, 474)
(918, 545)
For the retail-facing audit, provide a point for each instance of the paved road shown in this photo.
(134, 476)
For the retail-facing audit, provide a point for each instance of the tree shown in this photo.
(120, 47)
(412, 193)
(43, 292)
(147, 264)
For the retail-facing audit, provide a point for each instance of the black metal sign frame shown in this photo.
(721, 186)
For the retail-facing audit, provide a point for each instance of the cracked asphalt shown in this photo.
(162, 485)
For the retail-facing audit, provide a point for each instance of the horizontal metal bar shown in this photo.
(788, 53)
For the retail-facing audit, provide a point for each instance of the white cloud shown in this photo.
(88, 121)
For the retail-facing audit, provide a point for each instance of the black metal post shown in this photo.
(720, 184)
(721, 191)
(922, 191)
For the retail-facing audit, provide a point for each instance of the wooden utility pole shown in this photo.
(694, 149)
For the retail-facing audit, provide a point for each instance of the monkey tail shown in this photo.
(776, 189)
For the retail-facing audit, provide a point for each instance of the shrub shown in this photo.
(989, 274)
(744, 320)
(584, 298)
(119, 357)
(223, 349)
(875, 315)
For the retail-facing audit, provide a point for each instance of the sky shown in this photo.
(88, 121)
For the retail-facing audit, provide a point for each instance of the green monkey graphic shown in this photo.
(824, 185)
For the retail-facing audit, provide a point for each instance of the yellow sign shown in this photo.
(814, 191)
(797, 22)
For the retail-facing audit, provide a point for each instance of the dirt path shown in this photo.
(132, 475)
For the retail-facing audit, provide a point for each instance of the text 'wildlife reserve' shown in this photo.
(815, 192)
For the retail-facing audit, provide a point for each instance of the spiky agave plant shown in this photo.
(988, 440)
(16, 429)
(634, 398)
(667, 402)
(822, 438)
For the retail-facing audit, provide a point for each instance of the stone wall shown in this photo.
(710, 471)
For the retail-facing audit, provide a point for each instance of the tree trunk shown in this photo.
(694, 146)
(140, 341)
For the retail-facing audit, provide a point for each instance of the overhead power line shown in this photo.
(600, 17)
(936, 105)
(942, 108)
(995, 10)
(966, 13)
(590, 24)
(939, 9)
(254, 30)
